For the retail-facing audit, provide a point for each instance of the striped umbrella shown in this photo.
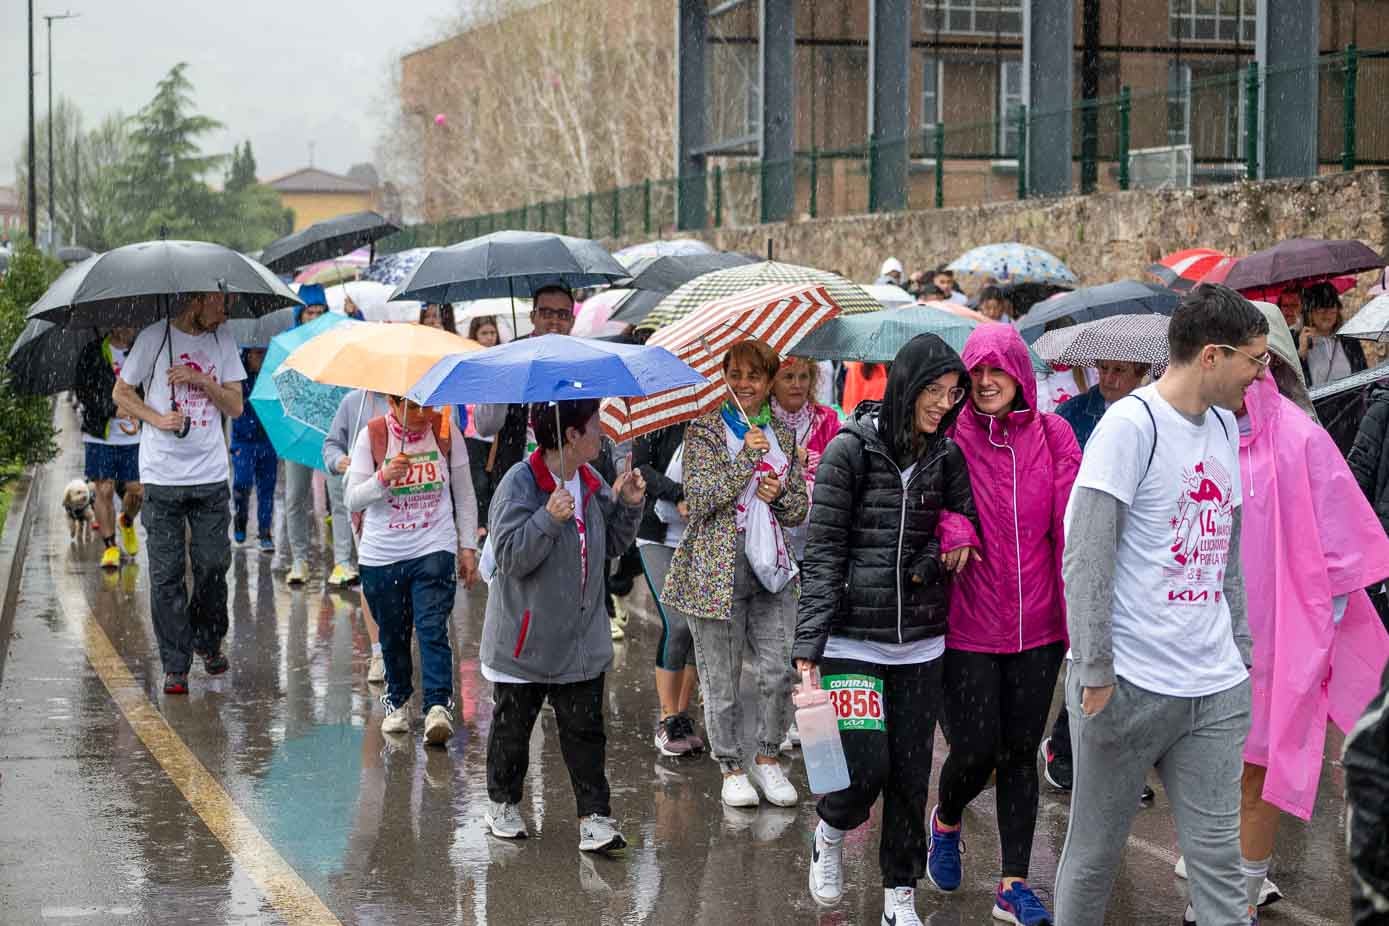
(778, 315)
(1181, 270)
(720, 284)
(1133, 338)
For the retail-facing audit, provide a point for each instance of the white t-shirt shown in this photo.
(1057, 387)
(120, 432)
(1172, 633)
(200, 457)
(576, 491)
(416, 517)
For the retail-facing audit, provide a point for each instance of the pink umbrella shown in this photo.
(591, 319)
(358, 259)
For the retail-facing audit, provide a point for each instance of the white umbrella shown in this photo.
(890, 296)
(1371, 322)
(500, 309)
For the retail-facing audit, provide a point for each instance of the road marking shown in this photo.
(286, 891)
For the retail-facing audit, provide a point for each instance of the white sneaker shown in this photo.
(599, 834)
(826, 868)
(793, 735)
(739, 792)
(397, 719)
(1269, 894)
(504, 820)
(899, 907)
(438, 725)
(773, 783)
(298, 573)
(1180, 870)
(376, 670)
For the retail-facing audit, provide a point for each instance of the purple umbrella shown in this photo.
(1299, 258)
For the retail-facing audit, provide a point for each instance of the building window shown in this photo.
(1213, 20)
(930, 91)
(1010, 101)
(974, 17)
(1206, 110)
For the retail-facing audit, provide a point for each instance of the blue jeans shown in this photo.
(254, 465)
(415, 594)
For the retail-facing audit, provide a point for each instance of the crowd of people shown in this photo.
(945, 546)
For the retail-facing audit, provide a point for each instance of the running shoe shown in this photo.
(616, 629)
(773, 784)
(687, 730)
(1269, 893)
(1019, 906)
(267, 545)
(397, 719)
(1189, 917)
(670, 739)
(826, 867)
(130, 542)
(298, 573)
(1146, 797)
(239, 535)
(438, 725)
(504, 820)
(737, 791)
(943, 856)
(598, 833)
(215, 663)
(376, 670)
(899, 907)
(111, 558)
(342, 576)
(176, 683)
(1056, 768)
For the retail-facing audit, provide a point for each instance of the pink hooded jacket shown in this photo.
(1021, 466)
(1308, 536)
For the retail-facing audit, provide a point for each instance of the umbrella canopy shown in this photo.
(327, 239)
(779, 315)
(889, 296)
(1133, 338)
(594, 319)
(1181, 270)
(509, 263)
(552, 368)
(722, 284)
(380, 357)
(654, 278)
(1126, 297)
(293, 440)
(140, 284)
(74, 254)
(257, 332)
(1015, 263)
(876, 337)
(630, 256)
(392, 269)
(43, 359)
(331, 273)
(1351, 383)
(499, 309)
(307, 402)
(1370, 323)
(1300, 259)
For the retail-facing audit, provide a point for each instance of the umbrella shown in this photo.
(327, 239)
(392, 269)
(142, 283)
(293, 440)
(888, 295)
(594, 318)
(654, 278)
(1370, 323)
(383, 358)
(1126, 297)
(876, 337)
(257, 332)
(1181, 270)
(498, 309)
(1299, 259)
(1133, 338)
(722, 284)
(74, 254)
(1015, 263)
(43, 359)
(331, 273)
(630, 256)
(779, 315)
(1351, 383)
(307, 402)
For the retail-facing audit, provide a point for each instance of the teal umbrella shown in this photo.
(876, 337)
(293, 439)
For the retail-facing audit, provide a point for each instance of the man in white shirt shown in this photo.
(191, 374)
(1156, 613)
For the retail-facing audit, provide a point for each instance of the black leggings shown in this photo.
(997, 706)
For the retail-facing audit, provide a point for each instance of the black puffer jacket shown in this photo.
(1369, 457)
(1366, 760)
(651, 453)
(872, 569)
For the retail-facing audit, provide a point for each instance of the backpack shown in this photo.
(379, 435)
(1153, 448)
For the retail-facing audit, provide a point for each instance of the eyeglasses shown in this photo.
(555, 314)
(937, 393)
(1262, 360)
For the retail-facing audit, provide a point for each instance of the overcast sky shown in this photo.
(281, 73)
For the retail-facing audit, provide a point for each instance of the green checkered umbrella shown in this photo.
(850, 297)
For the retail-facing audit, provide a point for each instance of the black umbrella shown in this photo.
(1126, 297)
(654, 278)
(1300, 258)
(257, 332)
(325, 240)
(43, 359)
(74, 255)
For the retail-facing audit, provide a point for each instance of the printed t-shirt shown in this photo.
(416, 518)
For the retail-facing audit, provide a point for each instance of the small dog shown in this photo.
(77, 502)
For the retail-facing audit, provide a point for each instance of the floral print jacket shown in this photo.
(700, 581)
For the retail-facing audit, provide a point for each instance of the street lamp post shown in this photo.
(52, 177)
(33, 180)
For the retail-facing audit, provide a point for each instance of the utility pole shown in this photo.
(52, 176)
(33, 159)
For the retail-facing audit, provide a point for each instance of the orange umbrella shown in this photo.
(381, 357)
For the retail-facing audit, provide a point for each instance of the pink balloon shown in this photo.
(440, 119)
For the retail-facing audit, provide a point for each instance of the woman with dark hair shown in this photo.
(555, 522)
(483, 329)
(732, 575)
(439, 315)
(1326, 357)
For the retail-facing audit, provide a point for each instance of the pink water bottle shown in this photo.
(821, 746)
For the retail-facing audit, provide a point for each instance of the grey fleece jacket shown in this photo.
(1087, 566)
(357, 408)
(544, 623)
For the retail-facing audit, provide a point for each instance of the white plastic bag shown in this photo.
(763, 539)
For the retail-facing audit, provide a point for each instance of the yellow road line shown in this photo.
(290, 895)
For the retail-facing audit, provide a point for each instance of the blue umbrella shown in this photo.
(1126, 297)
(293, 440)
(1014, 262)
(310, 403)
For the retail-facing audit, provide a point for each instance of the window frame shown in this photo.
(949, 9)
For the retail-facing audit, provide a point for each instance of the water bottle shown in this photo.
(821, 747)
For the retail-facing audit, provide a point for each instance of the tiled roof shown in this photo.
(313, 180)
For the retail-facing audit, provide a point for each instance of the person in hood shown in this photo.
(873, 611)
(890, 273)
(1007, 631)
(299, 514)
(255, 466)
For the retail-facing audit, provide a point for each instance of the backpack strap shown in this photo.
(1152, 449)
(377, 433)
(443, 426)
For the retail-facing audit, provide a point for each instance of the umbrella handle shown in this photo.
(559, 440)
(169, 339)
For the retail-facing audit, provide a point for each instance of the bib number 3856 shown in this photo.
(857, 700)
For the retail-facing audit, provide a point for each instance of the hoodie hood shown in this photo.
(309, 294)
(1286, 369)
(891, 265)
(1262, 406)
(1001, 346)
(924, 359)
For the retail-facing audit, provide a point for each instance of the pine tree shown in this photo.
(242, 173)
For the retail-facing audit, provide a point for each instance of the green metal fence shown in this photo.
(1203, 130)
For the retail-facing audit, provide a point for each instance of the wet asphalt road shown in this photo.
(93, 830)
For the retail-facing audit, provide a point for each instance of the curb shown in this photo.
(14, 544)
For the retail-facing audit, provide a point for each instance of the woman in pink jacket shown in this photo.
(1007, 632)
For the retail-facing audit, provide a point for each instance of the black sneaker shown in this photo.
(216, 663)
(1147, 797)
(687, 729)
(176, 683)
(1056, 768)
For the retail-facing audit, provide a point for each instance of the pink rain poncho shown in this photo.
(1308, 536)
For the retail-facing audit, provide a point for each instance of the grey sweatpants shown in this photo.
(342, 520)
(1196, 744)
(299, 509)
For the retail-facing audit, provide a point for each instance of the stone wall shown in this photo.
(1102, 237)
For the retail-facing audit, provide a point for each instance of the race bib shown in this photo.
(857, 700)
(415, 497)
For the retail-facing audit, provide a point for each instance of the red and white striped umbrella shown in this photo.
(1181, 270)
(779, 315)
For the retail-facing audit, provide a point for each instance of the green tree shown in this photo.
(242, 172)
(88, 212)
(26, 422)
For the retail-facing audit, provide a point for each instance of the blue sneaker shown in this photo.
(1018, 905)
(239, 536)
(267, 545)
(943, 856)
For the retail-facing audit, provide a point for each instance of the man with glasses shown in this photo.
(1156, 612)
